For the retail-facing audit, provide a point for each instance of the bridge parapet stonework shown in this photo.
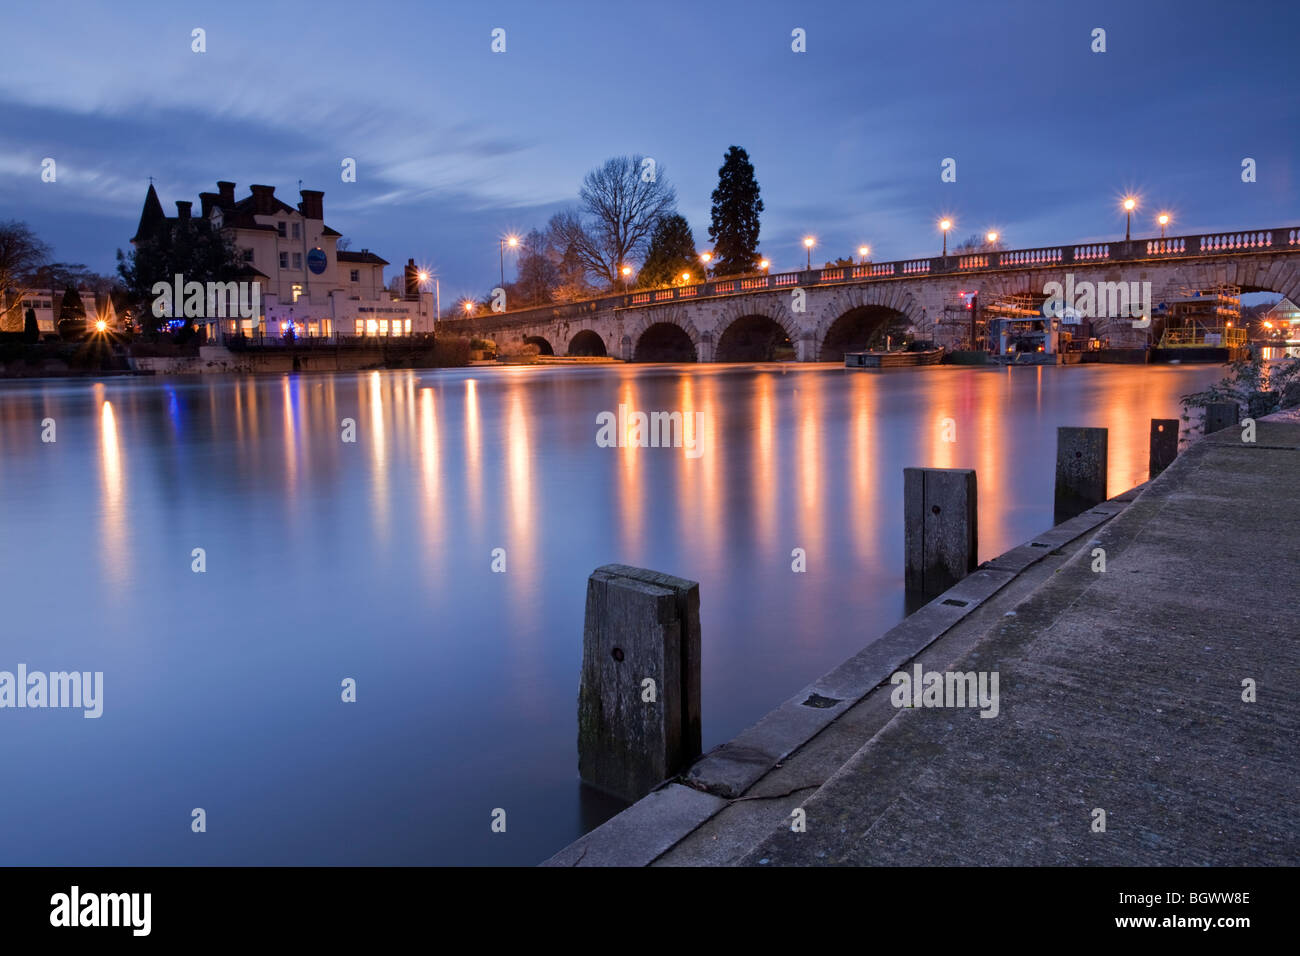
(1263, 260)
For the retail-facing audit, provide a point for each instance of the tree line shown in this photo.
(625, 232)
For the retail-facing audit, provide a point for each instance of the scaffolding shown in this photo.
(1203, 318)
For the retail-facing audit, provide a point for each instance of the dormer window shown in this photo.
(279, 227)
(216, 218)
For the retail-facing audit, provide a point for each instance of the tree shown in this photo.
(672, 252)
(619, 204)
(31, 331)
(736, 208)
(72, 315)
(977, 243)
(537, 273)
(190, 247)
(21, 253)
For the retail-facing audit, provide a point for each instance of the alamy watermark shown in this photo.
(1071, 301)
(631, 429)
(84, 689)
(946, 689)
(210, 300)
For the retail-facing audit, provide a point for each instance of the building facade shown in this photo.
(307, 286)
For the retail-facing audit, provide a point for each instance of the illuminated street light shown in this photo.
(101, 326)
(945, 225)
(808, 243)
(763, 264)
(992, 237)
(686, 277)
(512, 241)
(1129, 205)
(423, 277)
(1163, 219)
(469, 308)
(864, 252)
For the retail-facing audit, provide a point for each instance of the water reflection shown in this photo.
(378, 566)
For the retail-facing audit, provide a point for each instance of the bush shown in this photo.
(1257, 387)
(449, 352)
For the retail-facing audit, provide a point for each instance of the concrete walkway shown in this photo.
(1119, 690)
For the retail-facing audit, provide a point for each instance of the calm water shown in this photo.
(328, 560)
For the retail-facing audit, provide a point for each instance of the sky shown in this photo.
(457, 145)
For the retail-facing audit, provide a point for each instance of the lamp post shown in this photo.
(992, 237)
(706, 258)
(625, 272)
(864, 252)
(512, 241)
(424, 277)
(808, 243)
(1163, 219)
(1129, 205)
(764, 264)
(944, 226)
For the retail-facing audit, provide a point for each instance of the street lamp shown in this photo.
(945, 225)
(686, 277)
(1129, 205)
(1163, 219)
(469, 307)
(808, 243)
(625, 272)
(706, 258)
(424, 277)
(511, 241)
(863, 252)
(992, 237)
(764, 264)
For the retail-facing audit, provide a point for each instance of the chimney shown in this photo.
(183, 209)
(227, 191)
(263, 200)
(412, 276)
(207, 201)
(313, 204)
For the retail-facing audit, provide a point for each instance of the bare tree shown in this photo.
(619, 204)
(21, 254)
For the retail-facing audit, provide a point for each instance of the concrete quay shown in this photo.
(1120, 690)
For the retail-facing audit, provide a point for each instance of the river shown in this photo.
(372, 560)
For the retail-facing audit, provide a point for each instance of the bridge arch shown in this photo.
(587, 342)
(664, 335)
(544, 347)
(758, 330)
(854, 318)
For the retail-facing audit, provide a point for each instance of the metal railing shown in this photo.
(1286, 238)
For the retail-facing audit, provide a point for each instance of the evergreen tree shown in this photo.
(72, 315)
(191, 248)
(31, 331)
(736, 207)
(671, 252)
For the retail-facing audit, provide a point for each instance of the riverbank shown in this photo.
(1121, 691)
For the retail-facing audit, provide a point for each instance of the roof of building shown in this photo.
(151, 216)
(1282, 305)
(365, 255)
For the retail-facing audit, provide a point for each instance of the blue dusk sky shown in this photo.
(456, 145)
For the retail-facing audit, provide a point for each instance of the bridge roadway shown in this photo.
(825, 312)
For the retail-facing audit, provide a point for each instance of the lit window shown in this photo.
(383, 326)
(372, 327)
(297, 291)
(361, 326)
(284, 260)
(279, 227)
(408, 326)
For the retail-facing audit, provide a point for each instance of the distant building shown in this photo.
(1284, 315)
(46, 303)
(306, 282)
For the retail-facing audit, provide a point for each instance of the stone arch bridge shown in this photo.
(820, 313)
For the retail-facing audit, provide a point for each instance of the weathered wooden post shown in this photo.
(940, 531)
(1080, 470)
(1164, 445)
(639, 700)
(1221, 415)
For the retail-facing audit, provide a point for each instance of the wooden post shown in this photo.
(1221, 415)
(1080, 470)
(639, 699)
(940, 530)
(1164, 445)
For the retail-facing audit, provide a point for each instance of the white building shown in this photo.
(306, 282)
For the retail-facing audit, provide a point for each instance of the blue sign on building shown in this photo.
(316, 260)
